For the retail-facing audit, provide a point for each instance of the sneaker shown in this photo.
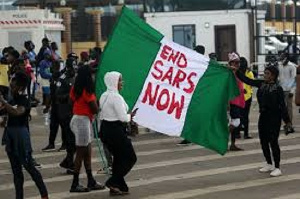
(62, 148)
(66, 165)
(104, 170)
(37, 165)
(277, 172)
(266, 169)
(96, 186)
(79, 189)
(49, 148)
(184, 142)
(235, 148)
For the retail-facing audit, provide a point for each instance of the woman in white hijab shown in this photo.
(114, 116)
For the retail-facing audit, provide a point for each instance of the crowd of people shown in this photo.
(68, 96)
(69, 102)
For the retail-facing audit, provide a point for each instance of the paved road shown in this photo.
(167, 171)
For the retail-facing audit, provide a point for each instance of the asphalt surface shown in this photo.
(167, 171)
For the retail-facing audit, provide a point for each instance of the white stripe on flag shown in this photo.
(169, 87)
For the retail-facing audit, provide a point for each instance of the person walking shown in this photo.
(84, 109)
(272, 110)
(114, 116)
(17, 137)
(248, 91)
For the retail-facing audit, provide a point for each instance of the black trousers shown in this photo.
(245, 116)
(54, 125)
(36, 176)
(113, 135)
(269, 128)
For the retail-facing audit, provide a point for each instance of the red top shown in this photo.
(239, 100)
(81, 105)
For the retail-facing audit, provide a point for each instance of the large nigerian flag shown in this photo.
(178, 91)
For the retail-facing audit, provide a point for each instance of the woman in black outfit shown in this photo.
(17, 138)
(272, 110)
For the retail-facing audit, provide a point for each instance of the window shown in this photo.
(184, 35)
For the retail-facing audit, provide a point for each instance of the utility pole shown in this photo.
(295, 27)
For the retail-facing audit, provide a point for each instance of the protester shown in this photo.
(248, 91)
(113, 133)
(29, 72)
(237, 104)
(29, 46)
(95, 58)
(14, 61)
(84, 57)
(292, 50)
(17, 138)
(54, 52)
(45, 73)
(64, 113)
(54, 121)
(272, 110)
(287, 80)
(84, 109)
(45, 47)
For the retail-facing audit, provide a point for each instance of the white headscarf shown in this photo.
(111, 99)
(111, 80)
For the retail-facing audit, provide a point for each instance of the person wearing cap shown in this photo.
(54, 122)
(272, 110)
(236, 105)
(64, 113)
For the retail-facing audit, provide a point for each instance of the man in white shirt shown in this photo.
(287, 77)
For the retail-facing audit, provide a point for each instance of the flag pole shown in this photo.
(102, 157)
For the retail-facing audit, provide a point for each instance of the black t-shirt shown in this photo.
(21, 120)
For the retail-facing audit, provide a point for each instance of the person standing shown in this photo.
(272, 111)
(45, 47)
(287, 78)
(46, 75)
(54, 121)
(248, 91)
(64, 113)
(114, 116)
(54, 51)
(17, 137)
(84, 108)
(236, 105)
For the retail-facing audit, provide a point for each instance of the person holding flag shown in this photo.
(272, 110)
(113, 133)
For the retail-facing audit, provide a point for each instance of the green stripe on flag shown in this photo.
(131, 49)
(206, 119)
